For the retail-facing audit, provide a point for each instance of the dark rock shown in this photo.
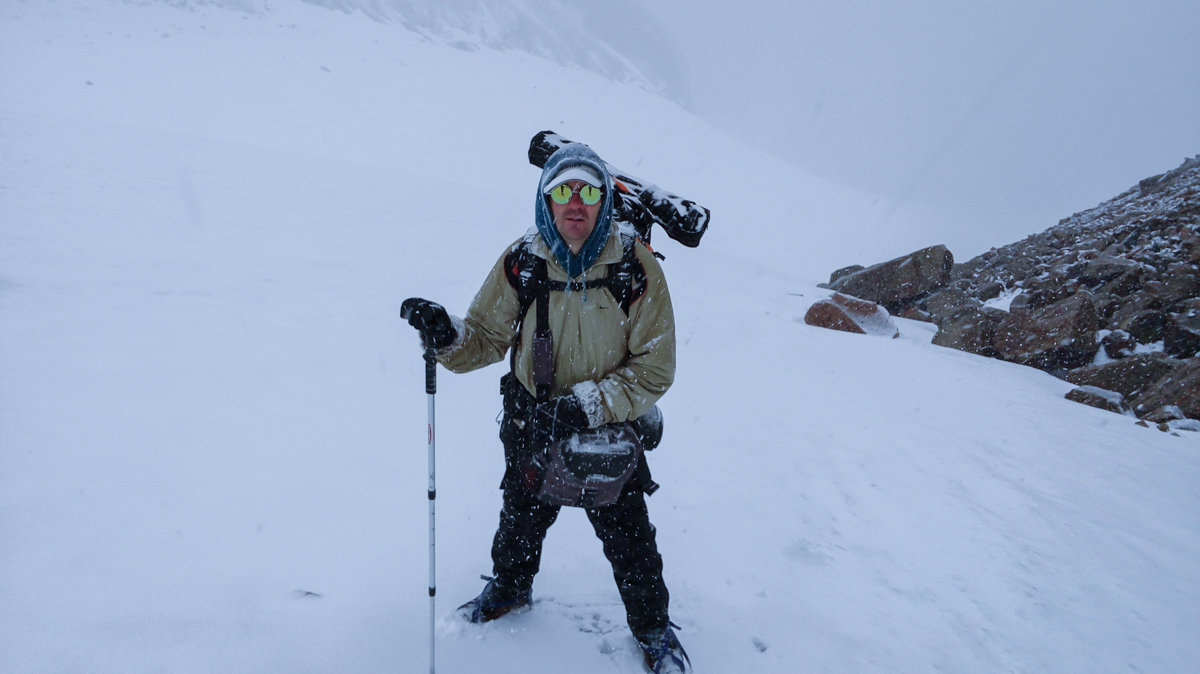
(949, 302)
(1128, 376)
(973, 331)
(1164, 414)
(1188, 306)
(1122, 310)
(851, 314)
(903, 278)
(1118, 344)
(1126, 283)
(844, 271)
(1104, 269)
(1044, 291)
(1145, 326)
(989, 291)
(1106, 306)
(1181, 335)
(1100, 398)
(1180, 388)
(1061, 336)
(1181, 281)
(1190, 243)
(1019, 303)
(915, 313)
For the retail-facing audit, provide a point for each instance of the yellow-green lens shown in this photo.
(590, 195)
(561, 194)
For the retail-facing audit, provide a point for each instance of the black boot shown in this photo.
(664, 654)
(497, 599)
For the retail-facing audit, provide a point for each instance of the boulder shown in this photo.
(915, 313)
(1181, 334)
(1126, 283)
(1145, 326)
(1045, 290)
(1104, 269)
(1188, 306)
(949, 302)
(1181, 387)
(1119, 311)
(988, 291)
(1164, 414)
(973, 331)
(898, 280)
(1128, 376)
(1061, 336)
(1097, 397)
(1181, 281)
(844, 271)
(1118, 344)
(851, 314)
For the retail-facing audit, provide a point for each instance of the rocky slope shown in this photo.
(1107, 298)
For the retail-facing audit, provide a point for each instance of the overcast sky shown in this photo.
(993, 118)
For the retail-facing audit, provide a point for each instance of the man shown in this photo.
(611, 360)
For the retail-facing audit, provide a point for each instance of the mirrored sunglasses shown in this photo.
(588, 194)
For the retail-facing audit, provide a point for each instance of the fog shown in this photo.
(976, 123)
(970, 124)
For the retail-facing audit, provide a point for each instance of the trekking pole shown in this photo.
(431, 390)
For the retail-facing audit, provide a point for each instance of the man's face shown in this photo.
(575, 220)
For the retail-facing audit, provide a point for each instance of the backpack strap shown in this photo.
(627, 279)
(543, 340)
(528, 275)
(525, 273)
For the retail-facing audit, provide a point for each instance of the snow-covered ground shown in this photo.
(212, 422)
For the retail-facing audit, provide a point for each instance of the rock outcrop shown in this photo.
(896, 281)
(1108, 298)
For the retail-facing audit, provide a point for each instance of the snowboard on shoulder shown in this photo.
(639, 204)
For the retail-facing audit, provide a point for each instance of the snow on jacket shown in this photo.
(618, 365)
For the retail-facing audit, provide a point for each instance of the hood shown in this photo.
(574, 154)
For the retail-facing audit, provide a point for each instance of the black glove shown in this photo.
(649, 428)
(431, 320)
(557, 418)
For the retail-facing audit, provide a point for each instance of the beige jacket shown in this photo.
(617, 365)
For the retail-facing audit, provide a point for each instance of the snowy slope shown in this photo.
(212, 422)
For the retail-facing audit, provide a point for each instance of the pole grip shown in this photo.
(430, 371)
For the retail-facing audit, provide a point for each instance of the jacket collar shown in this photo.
(611, 253)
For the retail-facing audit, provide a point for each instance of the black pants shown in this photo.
(624, 529)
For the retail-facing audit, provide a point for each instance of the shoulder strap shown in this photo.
(543, 340)
(627, 279)
(525, 273)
